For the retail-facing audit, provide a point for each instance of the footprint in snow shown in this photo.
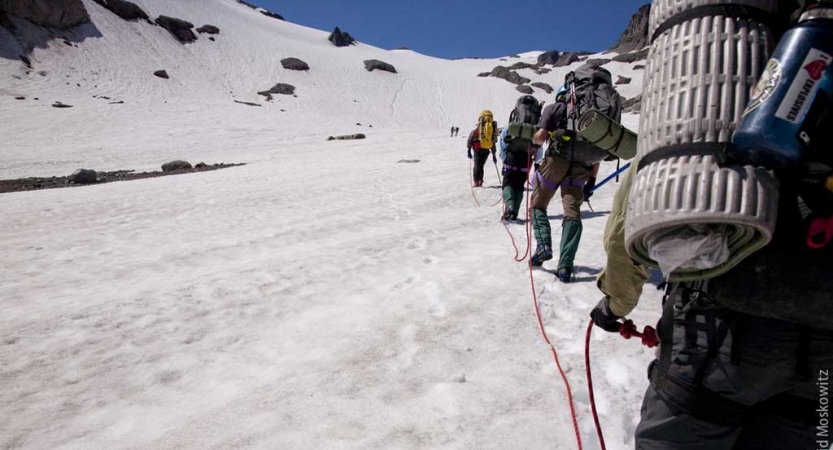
(436, 307)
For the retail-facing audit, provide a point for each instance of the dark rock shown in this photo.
(402, 48)
(67, 43)
(84, 176)
(247, 103)
(635, 36)
(294, 64)
(208, 29)
(176, 165)
(632, 105)
(20, 98)
(549, 57)
(521, 65)
(247, 4)
(638, 67)
(200, 165)
(596, 62)
(280, 88)
(508, 75)
(161, 74)
(211, 39)
(484, 74)
(62, 14)
(268, 13)
(524, 89)
(408, 161)
(120, 102)
(374, 64)
(124, 9)
(26, 61)
(181, 29)
(546, 87)
(568, 58)
(632, 57)
(542, 70)
(341, 39)
(623, 80)
(61, 105)
(346, 137)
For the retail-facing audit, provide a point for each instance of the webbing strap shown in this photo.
(737, 12)
(722, 151)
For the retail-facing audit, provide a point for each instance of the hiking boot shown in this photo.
(565, 274)
(542, 253)
(507, 216)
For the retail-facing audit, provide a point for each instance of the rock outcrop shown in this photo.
(623, 80)
(543, 86)
(280, 88)
(271, 14)
(341, 39)
(374, 64)
(83, 176)
(632, 56)
(548, 57)
(124, 9)
(632, 105)
(525, 89)
(294, 64)
(635, 36)
(161, 74)
(176, 165)
(346, 137)
(181, 29)
(208, 29)
(508, 75)
(60, 14)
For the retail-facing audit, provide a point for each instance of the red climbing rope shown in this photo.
(471, 182)
(527, 225)
(627, 330)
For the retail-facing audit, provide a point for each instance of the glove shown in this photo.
(603, 318)
(469, 153)
(588, 188)
(563, 135)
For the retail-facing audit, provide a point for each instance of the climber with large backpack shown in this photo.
(570, 162)
(482, 140)
(735, 206)
(516, 150)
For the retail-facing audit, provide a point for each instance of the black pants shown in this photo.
(480, 158)
(730, 381)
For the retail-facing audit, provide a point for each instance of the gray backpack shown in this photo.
(594, 91)
(522, 124)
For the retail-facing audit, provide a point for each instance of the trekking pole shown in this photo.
(590, 206)
(610, 177)
(498, 174)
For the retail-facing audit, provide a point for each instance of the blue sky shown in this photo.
(467, 28)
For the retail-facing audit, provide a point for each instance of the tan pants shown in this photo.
(555, 170)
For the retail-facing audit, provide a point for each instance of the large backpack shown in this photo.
(594, 91)
(522, 124)
(486, 129)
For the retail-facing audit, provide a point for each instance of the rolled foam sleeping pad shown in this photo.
(607, 134)
(698, 77)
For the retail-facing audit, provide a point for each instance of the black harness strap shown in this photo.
(724, 152)
(736, 12)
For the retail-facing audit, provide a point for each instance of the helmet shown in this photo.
(561, 92)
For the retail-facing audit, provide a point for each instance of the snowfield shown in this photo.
(325, 295)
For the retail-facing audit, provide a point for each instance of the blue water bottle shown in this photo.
(791, 105)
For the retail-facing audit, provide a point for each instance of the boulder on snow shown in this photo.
(346, 137)
(524, 89)
(548, 57)
(61, 105)
(484, 74)
(542, 70)
(60, 14)
(176, 165)
(632, 57)
(181, 29)
(341, 39)
(374, 64)
(568, 58)
(543, 86)
(268, 13)
(161, 74)
(280, 88)
(124, 9)
(521, 65)
(632, 105)
(623, 80)
(294, 64)
(508, 75)
(638, 67)
(596, 62)
(208, 29)
(83, 176)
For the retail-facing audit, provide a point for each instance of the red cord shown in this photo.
(590, 386)
(557, 362)
(471, 182)
(627, 330)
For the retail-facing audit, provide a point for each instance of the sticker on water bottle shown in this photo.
(768, 83)
(804, 87)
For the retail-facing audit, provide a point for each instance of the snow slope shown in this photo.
(323, 296)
